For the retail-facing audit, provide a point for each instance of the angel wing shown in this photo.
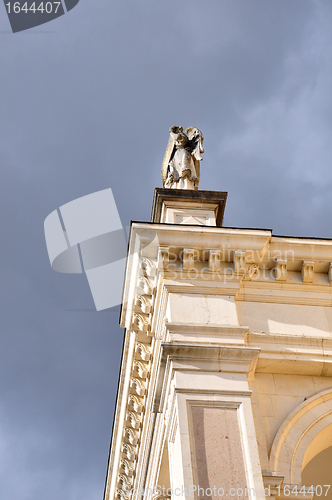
(196, 139)
(167, 158)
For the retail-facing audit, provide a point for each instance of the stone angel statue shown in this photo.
(181, 167)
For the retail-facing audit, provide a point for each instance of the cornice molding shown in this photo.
(199, 356)
(295, 354)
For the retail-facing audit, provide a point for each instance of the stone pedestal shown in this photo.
(183, 206)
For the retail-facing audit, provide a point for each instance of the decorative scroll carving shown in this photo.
(146, 285)
(149, 269)
(138, 386)
(143, 303)
(122, 494)
(141, 322)
(127, 467)
(133, 419)
(143, 351)
(130, 451)
(125, 482)
(141, 368)
(136, 403)
(141, 318)
(131, 435)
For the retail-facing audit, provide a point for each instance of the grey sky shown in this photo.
(86, 103)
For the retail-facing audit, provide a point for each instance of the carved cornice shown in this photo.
(138, 383)
(134, 419)
(226, 259)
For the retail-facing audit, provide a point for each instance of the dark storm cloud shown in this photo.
(88, 106)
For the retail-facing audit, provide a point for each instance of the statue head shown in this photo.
(181, 140)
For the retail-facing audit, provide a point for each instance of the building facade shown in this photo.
(225, 387)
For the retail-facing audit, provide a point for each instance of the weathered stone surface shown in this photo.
(181, 167)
